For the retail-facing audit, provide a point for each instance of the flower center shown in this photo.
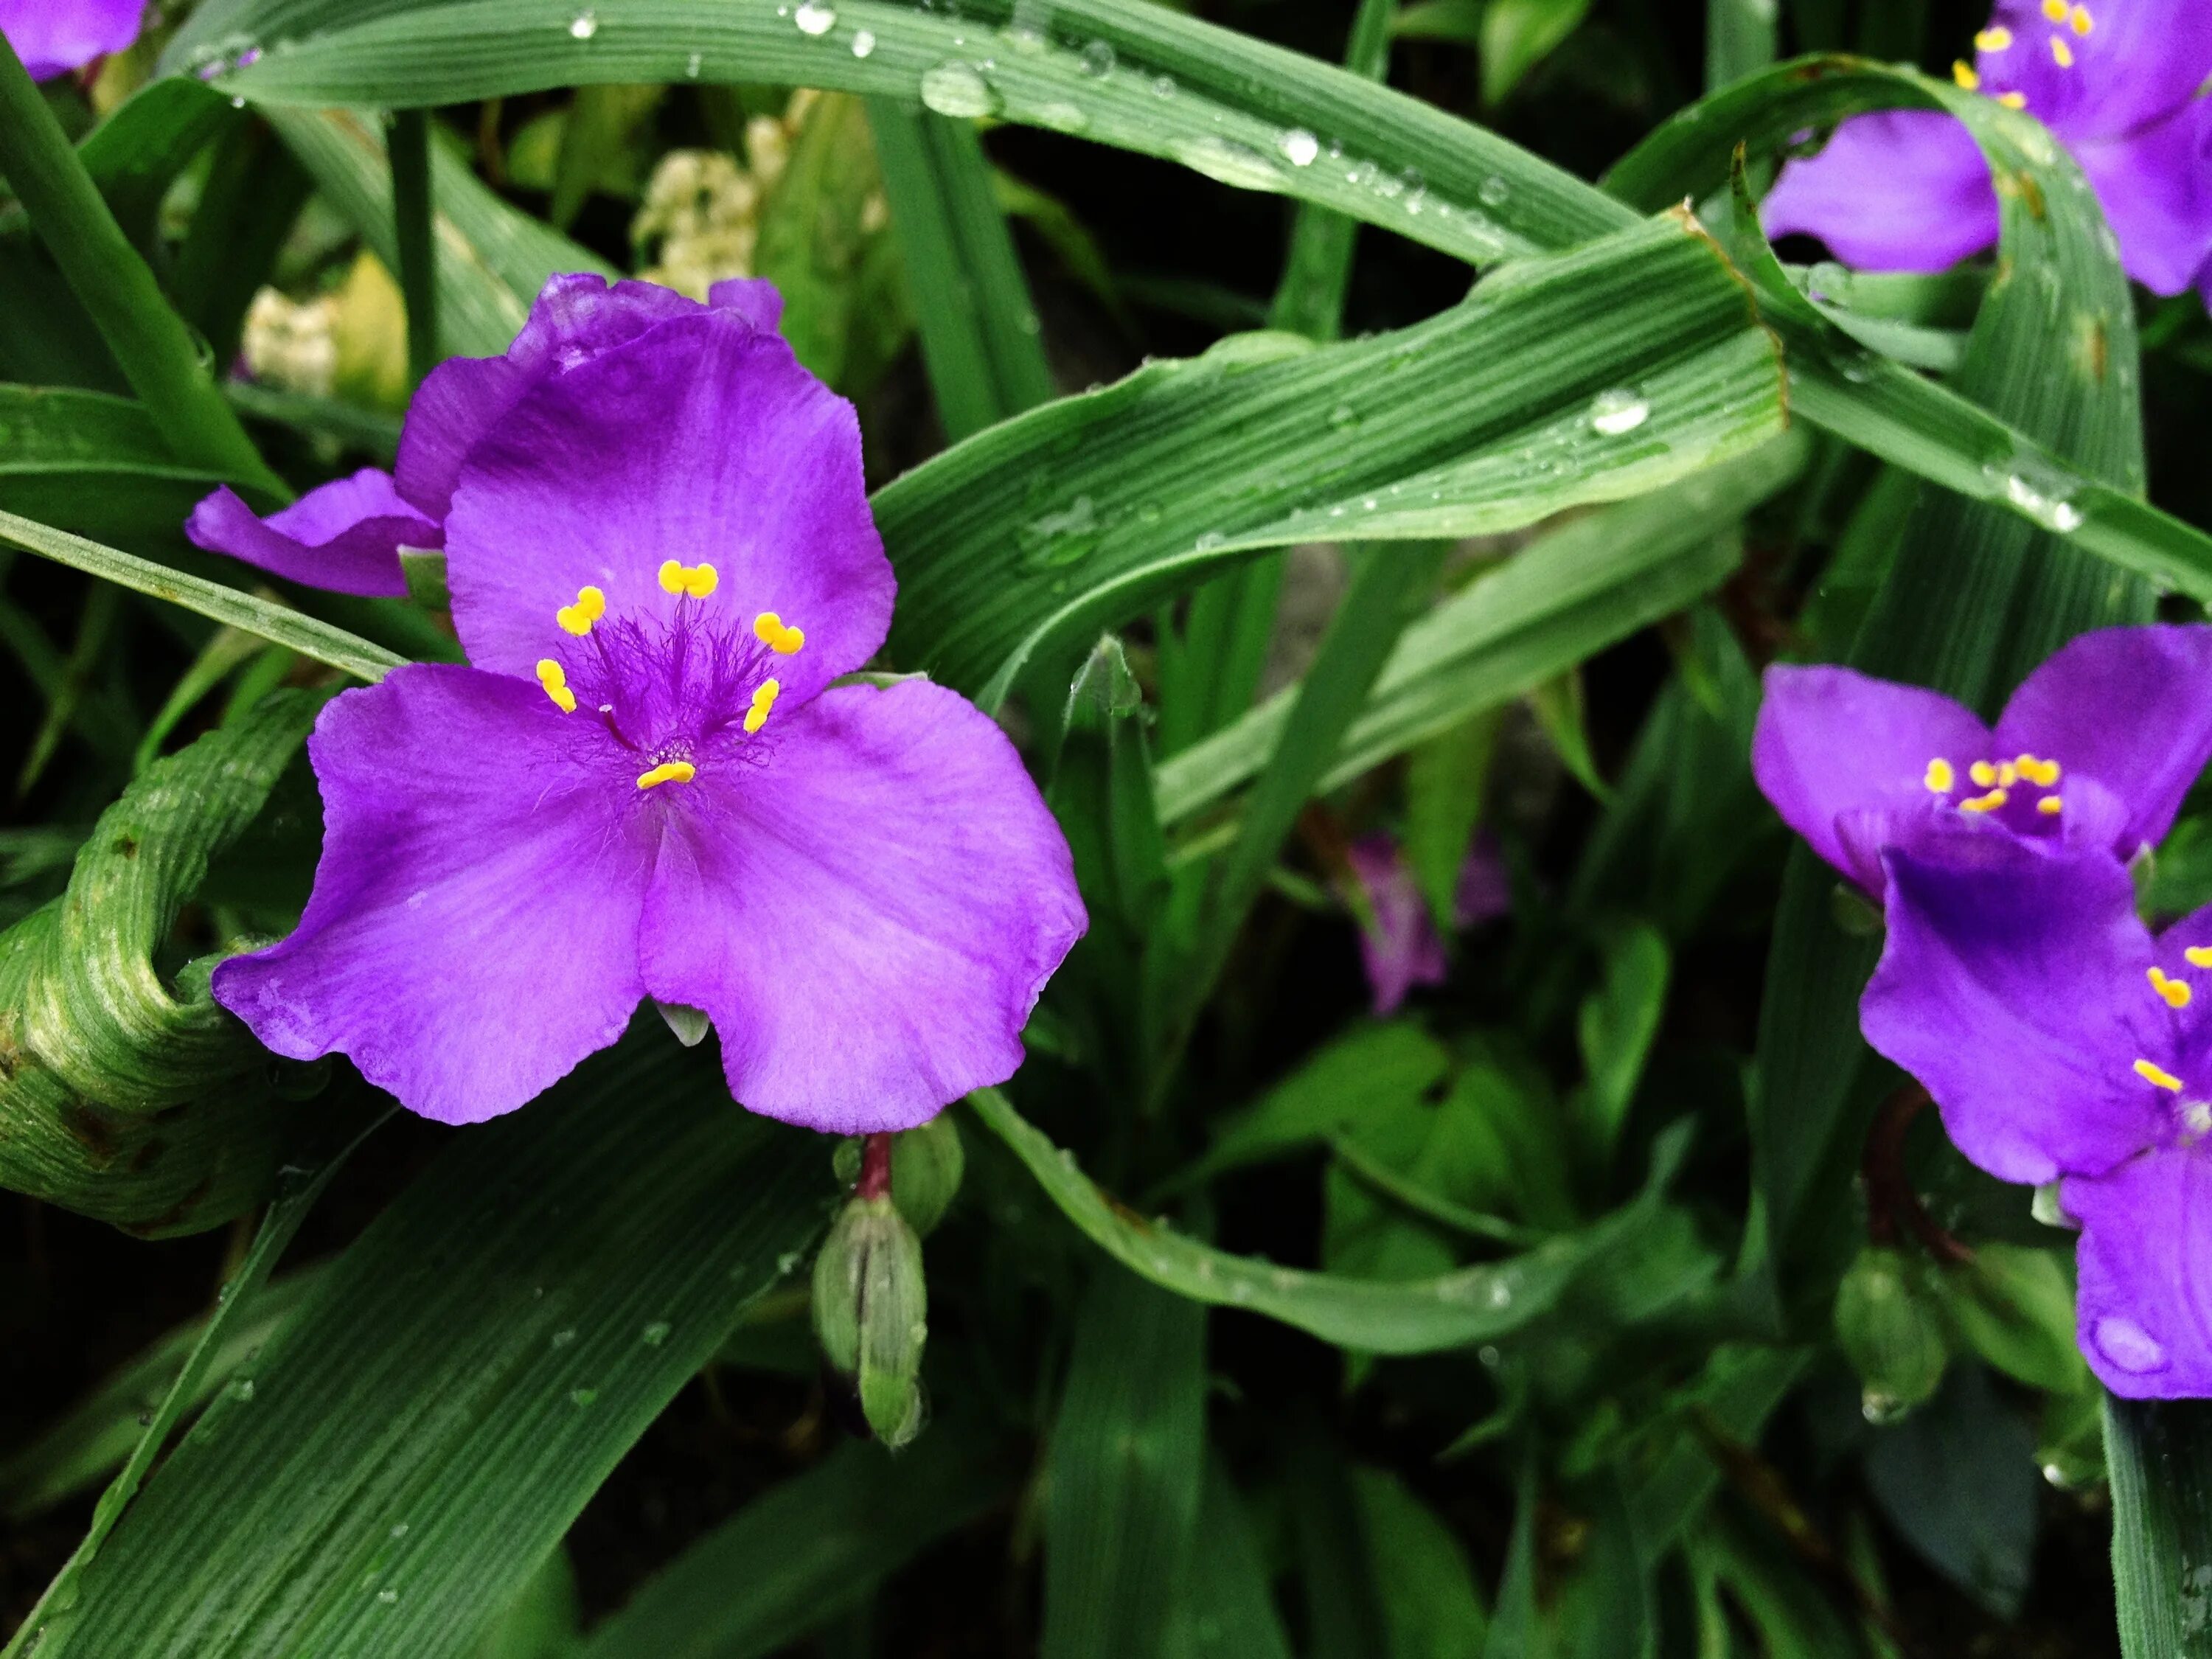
(682, 692)
(2027, 783)
(2065, 18)
(2194, 1114)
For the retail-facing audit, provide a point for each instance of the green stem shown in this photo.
(411, 213)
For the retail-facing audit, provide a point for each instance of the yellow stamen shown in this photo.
(1988, 803)
(2013, 100)
(697, 580)
(2007, 774)
(2056, 10)
(1940, 777)
(1963, 73)
(1994, 39)
(2042, 772)
(668, 772)
(2200, 955)
(2173, 990)
(555, 679)
(2081, 21)
(2061, 53)
(2157, 1077)
(2050, 806)
(771, 631)
(763, 699)
(591, 605)
(1983, 774)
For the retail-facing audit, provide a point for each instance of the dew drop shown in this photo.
(1881, 1408)
(399, 1529)
(863, 42)
(388, 1595)
(1096, 60)
(958, 90)
(1163, 86)
(582, 1396)
(655, 1334)
(815, 18)
(1494, 191)
(1616, 411)
(584, 25)
(787, 1264)
(693, 65)
(562, 1338)
(1228, 162)
(242, 1389)
(1300, 147)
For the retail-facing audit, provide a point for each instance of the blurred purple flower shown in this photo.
(2063, 1042)
(1399, 944)
(2096, 749)
(661, 556)
(2115, 81)
(55, 36)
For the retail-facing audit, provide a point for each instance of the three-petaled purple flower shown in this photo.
(2060, 1040)
(662, 558)
(54, 36)
(1399, 945)
(2096, 749)
(2115, 81)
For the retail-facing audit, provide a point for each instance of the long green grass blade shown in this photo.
(416, 1439)
(93, 463)
(414, 216)
(261, 617)
(2160, 1455)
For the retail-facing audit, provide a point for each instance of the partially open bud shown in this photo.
(1892, 1331)
(870, 1308)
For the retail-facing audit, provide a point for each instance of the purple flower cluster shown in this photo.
(2062, 1040)
(649, 783)
(2116, 81)
(55, 36)
(1399, 944)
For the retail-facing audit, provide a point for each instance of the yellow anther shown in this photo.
(2157, 1077)
(1983, 774)
(2061, 53)
(551, 676)
(773, 632)
(668, 772)
(2056, 10)
(1996, 39)
(2007, 774)
(2050, 806)
(763, 699)
(1963, 73)
(1988, 803)
(2043, 772)
(2080, 21)
(591, 605)
(1940, 777)
(697, 580)
(2200, 955)
(2175, 992)
(2013, 100)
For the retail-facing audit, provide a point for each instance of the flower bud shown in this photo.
(1892, 1331)
(927, 1166)
(871, 1305)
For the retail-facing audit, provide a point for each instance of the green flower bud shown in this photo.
(871, 1307)
(1892, 1331)
(927, 1165)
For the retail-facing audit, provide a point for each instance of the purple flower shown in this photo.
(2063, 1042)
(661, 557)
(54, 36)
(2115, 81)
(346, 536)
(2096, 749)
(1399, 944)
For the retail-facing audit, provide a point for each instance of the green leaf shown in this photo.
(1317, 270)
(417, 1438)
(980, 335)
(1227, 1610)
(263, 618)
(1363, 1073)
(1563, 598)
(1616, 1025)
(1490, 415)
(1446, 777)
(2160, 1453)
(114, 282)
(414, 213)
(123, 1095)
(1518, 34)
(2015, 1305)
(1431, 1606)
(247, 206)
(1957, 1479)
(803, 1552)
(1456, 1309)
(1126, 1457)
(93, 464)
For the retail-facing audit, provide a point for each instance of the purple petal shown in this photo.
(473, 930)
(2155, 185)
(2130, 707)
(1900, 189)
(1831, 741)
(2145, 1304)
(869, 915)
(2140, 61)
(344, 536)
(704, 442)
(1485, 885)
(1399, 945)
(53, 36)
(2013, 984)
(575, 318)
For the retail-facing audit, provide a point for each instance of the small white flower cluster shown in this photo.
(702, 210)
(290, 345)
